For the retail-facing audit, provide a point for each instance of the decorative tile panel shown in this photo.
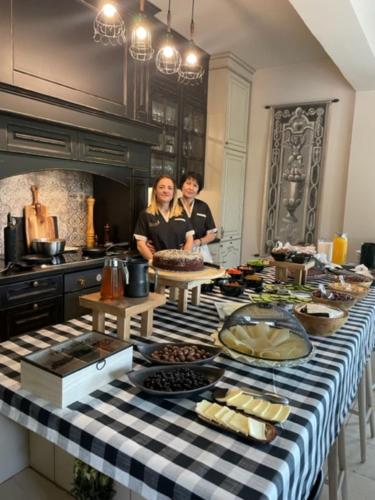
(64, 193)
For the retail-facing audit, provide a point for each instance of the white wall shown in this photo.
(293, 84)
(359, 219)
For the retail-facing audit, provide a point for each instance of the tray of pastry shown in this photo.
(228, 420)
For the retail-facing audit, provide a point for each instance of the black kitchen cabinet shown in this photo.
(29, 317)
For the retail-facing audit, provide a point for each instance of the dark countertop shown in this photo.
(74, 261)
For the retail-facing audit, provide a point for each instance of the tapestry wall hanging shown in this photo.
(294, 173)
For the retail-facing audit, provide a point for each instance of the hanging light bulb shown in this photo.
(168, 58)
(191, 71)
(109, 27)
(141, 43)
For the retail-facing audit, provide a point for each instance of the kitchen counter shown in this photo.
(73, 261)
(158, 447)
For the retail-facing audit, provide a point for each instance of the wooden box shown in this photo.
(73, 369)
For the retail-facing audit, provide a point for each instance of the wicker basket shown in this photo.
(316, 325)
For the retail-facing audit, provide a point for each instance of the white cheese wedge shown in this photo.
(239, 423)
(211, 410)
(202, 406)
(256, 429)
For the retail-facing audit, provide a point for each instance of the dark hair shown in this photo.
(195, 176)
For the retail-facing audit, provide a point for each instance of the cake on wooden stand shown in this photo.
(178, 260)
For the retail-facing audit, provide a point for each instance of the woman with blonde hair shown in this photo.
(163, 224)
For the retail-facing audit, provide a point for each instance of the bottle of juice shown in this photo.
(340, 248)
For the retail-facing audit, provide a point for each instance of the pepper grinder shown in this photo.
(90, 231)
(107, 234)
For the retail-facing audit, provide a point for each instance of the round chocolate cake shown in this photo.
(178, 260)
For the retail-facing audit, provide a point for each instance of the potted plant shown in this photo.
(89, 484)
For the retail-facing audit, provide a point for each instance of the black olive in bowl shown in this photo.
(232, 289)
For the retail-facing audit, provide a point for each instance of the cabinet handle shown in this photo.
(35, 284)
(81, 282)
(35, 306)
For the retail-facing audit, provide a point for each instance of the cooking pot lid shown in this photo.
(37, 259)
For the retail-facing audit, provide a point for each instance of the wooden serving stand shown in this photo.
(282, 269)
(124, 309)
(184, 281)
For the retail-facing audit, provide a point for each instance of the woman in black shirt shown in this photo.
(199, 213)
(163, 223)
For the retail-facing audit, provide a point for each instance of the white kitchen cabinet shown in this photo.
(237, 118)
(229, 85)
(234, 168)
(227, 253)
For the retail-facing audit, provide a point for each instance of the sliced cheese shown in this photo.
(224, 419)
(256, 429)
(262, 409)
(232, 392)
(220, 414)
(241, 401)
(233, 399)
(239, 423)
(283, 414)
(254, 405)
(202, 406)
(211, 410)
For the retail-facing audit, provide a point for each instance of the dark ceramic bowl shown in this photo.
(148, 349)
(232, 289)
(300, 258)
(253, 281)
(138, 377)
(246, 270)
(207, 287)
(280, 256)
(235, 274)
(221, 281)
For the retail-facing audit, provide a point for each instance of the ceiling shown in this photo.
(264, 33)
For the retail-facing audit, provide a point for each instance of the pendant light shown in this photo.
(168, 58)
(141, 43)
(191, 71)
(109, 27)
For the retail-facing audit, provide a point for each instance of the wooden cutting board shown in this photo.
(38, 224)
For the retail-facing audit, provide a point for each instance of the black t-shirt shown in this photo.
(164, 235)
(201, 219)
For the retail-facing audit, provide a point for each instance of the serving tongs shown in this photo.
(271, 397)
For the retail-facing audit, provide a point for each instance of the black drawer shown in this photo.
(30, 290)
(81, 280)
(72, 309)
(30, 317)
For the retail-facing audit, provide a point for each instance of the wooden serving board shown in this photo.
(185, 277)
(38, 223)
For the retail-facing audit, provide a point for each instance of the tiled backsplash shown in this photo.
(63, 192)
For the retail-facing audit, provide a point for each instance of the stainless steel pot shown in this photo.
(44, 246)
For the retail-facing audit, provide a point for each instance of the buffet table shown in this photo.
(158, 447)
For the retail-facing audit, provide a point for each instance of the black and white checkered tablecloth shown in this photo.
(160, 449)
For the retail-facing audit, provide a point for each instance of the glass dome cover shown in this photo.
(266, 335)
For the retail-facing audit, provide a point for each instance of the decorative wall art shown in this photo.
(294, 173)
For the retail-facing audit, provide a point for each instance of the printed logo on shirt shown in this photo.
(179, 219)
(153, 224)
(202, 215)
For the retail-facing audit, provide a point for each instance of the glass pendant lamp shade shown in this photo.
(141, 40)
(168, 58)
(109, 27)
